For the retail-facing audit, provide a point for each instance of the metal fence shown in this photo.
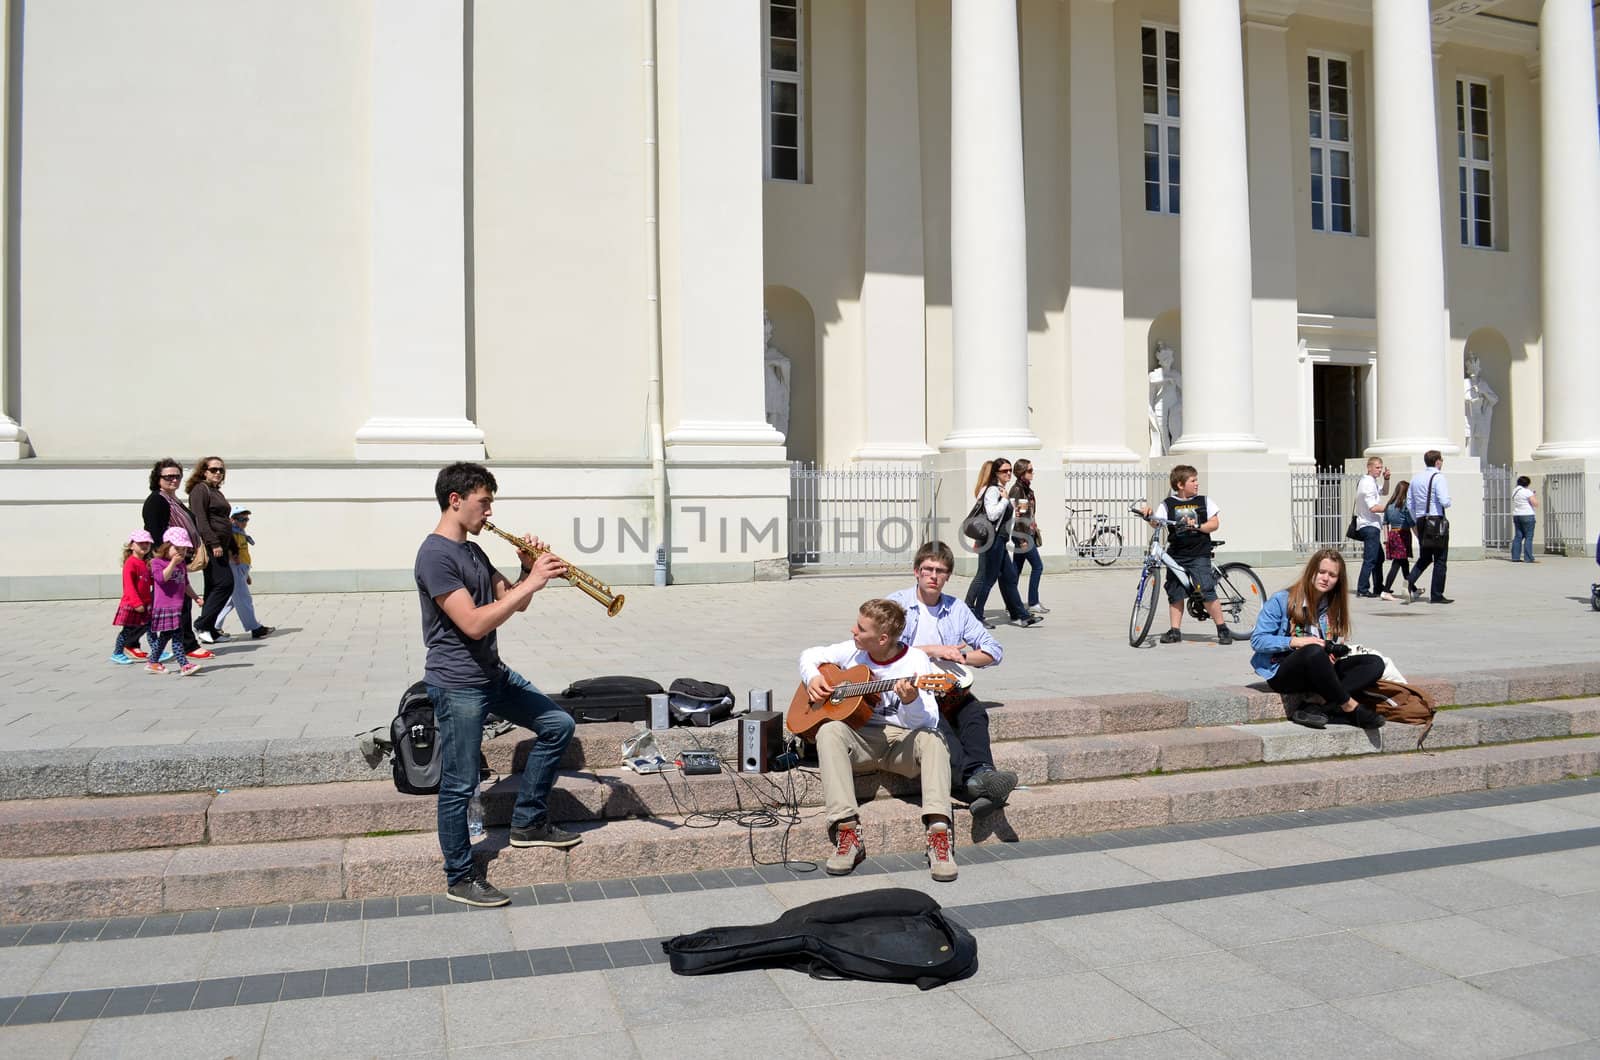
(1561, 514)
(1110, 492)
(1321, 501)
(858, 517)
(1497, 485)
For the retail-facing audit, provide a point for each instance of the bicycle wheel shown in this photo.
(1241, 595)
(1144, 606)
(1106, 545)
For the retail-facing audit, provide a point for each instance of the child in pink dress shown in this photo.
(170, 576)
(133, 610)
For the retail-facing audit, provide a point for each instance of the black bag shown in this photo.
(1350, 531)
(415, 739)
(895, 935)
(613, 698)
(1433, 531)
(702, 703)
(978, 527)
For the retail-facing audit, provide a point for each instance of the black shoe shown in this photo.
(1224, 635)
(1027, 620)
(544, 835)
(1311, 719)
(1363, 717)
(993, 786)
(1440, 600)
(478, 891)
(1367, 596)
(262, 631)
(1171, 636)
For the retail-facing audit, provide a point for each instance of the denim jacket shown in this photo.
(1270, 638)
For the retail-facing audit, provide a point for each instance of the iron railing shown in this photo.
(1498, 483)
(858, 517)
(1110, 492)
(1561, 515)
(1321, 501)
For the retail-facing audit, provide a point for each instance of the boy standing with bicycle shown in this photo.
(1195, 518)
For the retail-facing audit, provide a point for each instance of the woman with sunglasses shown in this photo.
(213, 514)
(163, 509)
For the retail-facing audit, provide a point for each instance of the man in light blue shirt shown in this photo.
(946, 628)
(1430, 495)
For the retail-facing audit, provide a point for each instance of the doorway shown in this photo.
(1336, 401)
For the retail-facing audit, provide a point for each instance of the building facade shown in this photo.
(339, 244)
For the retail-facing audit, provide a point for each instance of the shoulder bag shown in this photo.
(1433, 531)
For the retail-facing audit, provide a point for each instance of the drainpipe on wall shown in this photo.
(652, 257)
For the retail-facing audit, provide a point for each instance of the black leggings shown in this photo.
(1309, 669)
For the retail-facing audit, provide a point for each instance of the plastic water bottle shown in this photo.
(475, 814)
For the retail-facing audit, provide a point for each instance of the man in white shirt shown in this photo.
(1369, 524)
(901, 736)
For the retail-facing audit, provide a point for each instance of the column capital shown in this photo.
(1268, 14)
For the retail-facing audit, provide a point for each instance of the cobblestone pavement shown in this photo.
(338, 662)
(1463, 926)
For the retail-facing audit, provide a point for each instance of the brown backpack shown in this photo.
(1403, 703)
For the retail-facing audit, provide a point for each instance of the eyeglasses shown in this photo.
(937, 572)
(172, 478)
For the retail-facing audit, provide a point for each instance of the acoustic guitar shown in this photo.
(855, 693)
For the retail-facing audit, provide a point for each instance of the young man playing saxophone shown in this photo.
(464, 600)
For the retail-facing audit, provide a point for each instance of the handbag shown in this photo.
(978, 526)
(1433, 531)
(1350, 531)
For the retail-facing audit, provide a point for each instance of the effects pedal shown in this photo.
(698, 763)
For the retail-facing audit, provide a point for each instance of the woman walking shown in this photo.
(163, 509)
(1025, 535)
(994, 561)
(1524, 503)
(1297, 642)
(213, 517)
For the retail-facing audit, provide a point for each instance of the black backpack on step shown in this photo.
(895, 935)
(415, 737)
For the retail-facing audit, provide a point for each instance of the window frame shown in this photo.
(1167, 125)
(795, 77)
(1327, 144)
(1468, 167)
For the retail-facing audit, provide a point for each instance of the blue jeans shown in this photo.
(1023, 559)
(1371, 559)
(995, 565)
(459, 714)
(1522, 535)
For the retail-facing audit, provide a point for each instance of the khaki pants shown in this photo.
(842, 752)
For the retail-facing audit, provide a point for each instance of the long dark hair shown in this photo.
(989, 474)
(1305, 601)
(160, 466)
(1402, 489)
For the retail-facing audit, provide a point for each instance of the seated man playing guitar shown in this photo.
(945, 628)
(899, 735)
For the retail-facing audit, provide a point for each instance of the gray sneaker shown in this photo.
(848, 849)
(941, 853)
(478, 891)
(544, 835)
(989, 791)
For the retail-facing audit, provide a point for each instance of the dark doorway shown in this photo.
(1336, 401)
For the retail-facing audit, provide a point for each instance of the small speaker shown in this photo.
(760, 699)
(660, 714)
(760, 740)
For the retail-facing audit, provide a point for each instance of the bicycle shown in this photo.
(1240, 593)
(1103, 546)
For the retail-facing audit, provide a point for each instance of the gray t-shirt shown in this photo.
(455, 660)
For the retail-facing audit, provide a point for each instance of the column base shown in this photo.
(913, 452)
(1198, 444)
(1567, 451)
(419, 438)
(714, 432)
(1412, 447)
(13, 440)
(998, 439)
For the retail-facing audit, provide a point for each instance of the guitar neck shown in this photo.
(865, 688)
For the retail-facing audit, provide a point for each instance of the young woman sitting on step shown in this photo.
(1298, 642)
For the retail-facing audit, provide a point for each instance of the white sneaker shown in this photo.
(203, 637)
(941, 853)
(1039, 609)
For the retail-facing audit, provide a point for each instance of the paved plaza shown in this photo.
(340, 661)
(1465, 925)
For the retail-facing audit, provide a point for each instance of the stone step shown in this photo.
(353, 809)
(235, 764)
(167, 880)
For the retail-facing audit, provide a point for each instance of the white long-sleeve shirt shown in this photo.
(920, 713)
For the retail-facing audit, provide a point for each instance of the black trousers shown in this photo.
(218, 578)
(1309, 669)
(1440, 559)
(966, 733)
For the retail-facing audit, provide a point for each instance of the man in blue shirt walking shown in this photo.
(1430, 495)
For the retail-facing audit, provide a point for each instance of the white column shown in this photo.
(13, 439)
(893, 291)
(1570, 207)
(1098, 393)
(719, 398)
(417, 284)
(1409, 242)
(988, 237)
(1214, 235)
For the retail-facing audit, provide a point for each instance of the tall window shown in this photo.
(785, 66)
(1475, 163)
(1332, 164)
(1159, 61)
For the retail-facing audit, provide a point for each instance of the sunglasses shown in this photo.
(171, 478)
(217, 470)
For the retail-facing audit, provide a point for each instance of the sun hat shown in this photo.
(238, 510)
(139, 536)
(177, 535)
